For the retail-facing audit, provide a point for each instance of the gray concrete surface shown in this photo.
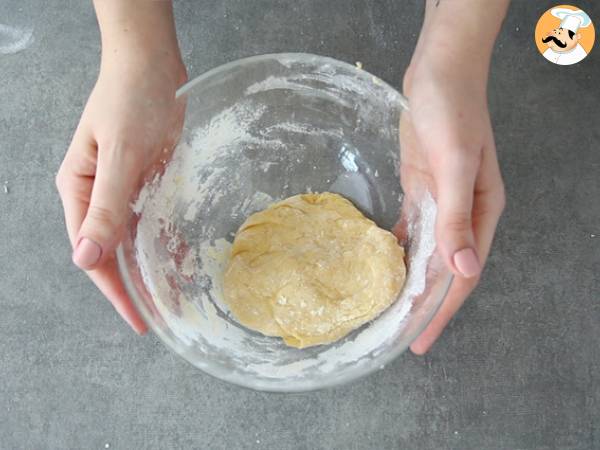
(518, 368)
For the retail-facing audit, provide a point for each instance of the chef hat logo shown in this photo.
(565, 35)
(571, 20)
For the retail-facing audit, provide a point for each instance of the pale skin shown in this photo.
(448, 143)
(131, 115)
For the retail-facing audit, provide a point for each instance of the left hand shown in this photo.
(131, 120)
(448, 147)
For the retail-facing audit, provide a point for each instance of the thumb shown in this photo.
(102, 228)
(454, 174)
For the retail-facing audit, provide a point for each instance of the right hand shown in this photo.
(448, 148)
(130, 118)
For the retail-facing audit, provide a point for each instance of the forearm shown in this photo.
(458, 37)
(464, 29)
(135, 29)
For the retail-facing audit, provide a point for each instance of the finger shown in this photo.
(117, 175)
(454, 173)
(109, 282)
(74, 181)
(489, 187)
(460, 289)
(489, 203)
(415, 177)
(458, 292)
(75, 204)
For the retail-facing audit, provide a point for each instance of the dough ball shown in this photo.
(310, 269)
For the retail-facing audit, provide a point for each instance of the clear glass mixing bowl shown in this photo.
(259, 130)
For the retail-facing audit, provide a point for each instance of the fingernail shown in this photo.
(419, 349)
(86, 254)
(467, 263)
(127, 312)
(139, 327)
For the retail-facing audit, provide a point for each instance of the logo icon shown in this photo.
(565, 35)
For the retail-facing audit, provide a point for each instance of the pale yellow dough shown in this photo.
(311, 269)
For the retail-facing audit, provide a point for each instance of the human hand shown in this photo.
(131, 117)
(448, 147)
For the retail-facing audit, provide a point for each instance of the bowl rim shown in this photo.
(228, 376)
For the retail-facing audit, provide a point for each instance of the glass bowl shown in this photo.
(256, 131)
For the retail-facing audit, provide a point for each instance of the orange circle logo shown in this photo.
(565, 35)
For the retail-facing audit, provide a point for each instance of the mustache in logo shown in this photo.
(556, 41)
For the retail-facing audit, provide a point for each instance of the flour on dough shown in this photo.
(312, 268)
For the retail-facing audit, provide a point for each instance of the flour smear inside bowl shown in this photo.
(239, 160)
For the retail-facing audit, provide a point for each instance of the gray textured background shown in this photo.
(518, 368)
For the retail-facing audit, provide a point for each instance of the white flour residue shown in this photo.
(258, 202)
(229, 127)
(422, 247)
(216, 178)
(213, 148)
(348, 160)
(14, 40)
(189, 263)
(301, 128)
(181, 259)
(215, 258)
(343, 88)
(273, 82)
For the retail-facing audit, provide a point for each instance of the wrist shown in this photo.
(467, 29)
(138, 33)
(133, 69)
(135, 50)
(464, 53)
(132, 57)
(457, 41)
(440, 65)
